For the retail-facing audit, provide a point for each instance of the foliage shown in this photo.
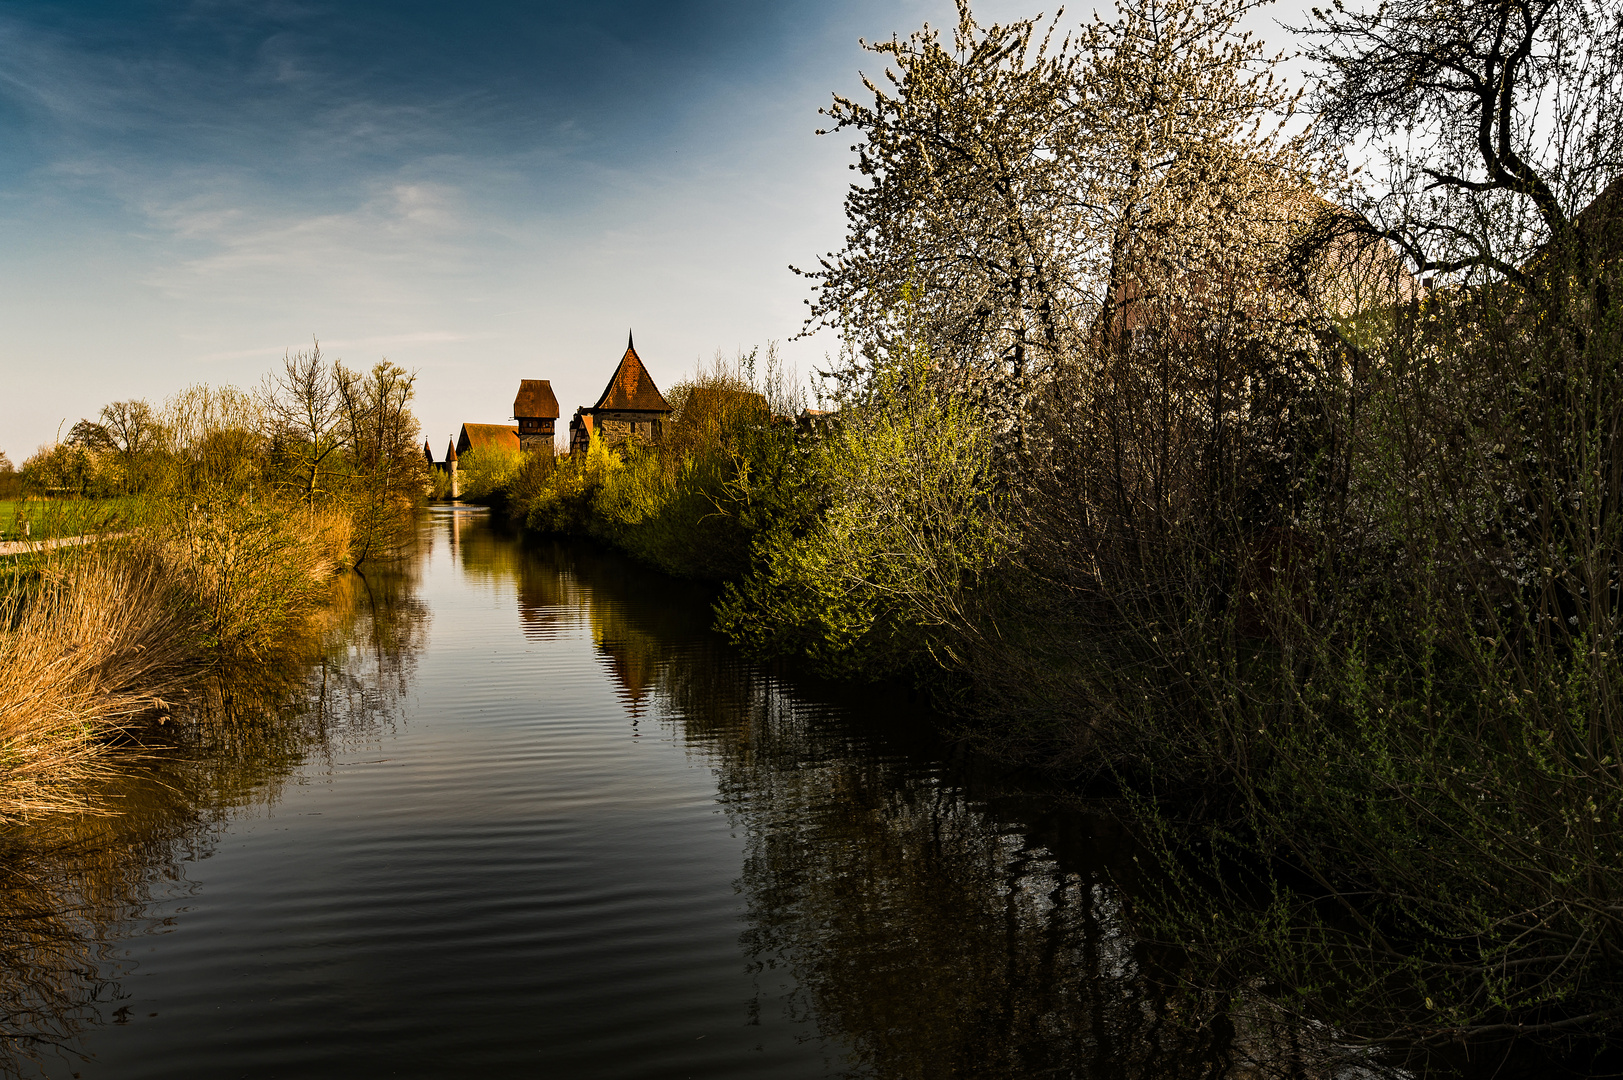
(316, 431)
(484, 475)
(1013, 187)
(95, 643)
(897, 519)
(1315, 562)
(222, 517)
(253, 570)
(387, 475)
(557, 497)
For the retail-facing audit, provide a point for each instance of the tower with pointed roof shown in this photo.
(631, 409)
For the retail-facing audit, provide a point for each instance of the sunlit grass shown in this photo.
(97, 643)
(49, 519)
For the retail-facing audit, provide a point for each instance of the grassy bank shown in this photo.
(99, 647)
(48, 518)
(225, 517)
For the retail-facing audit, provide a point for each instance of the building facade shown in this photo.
(631, 408)
(536, 410)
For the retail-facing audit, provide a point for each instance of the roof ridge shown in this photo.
(637, 391)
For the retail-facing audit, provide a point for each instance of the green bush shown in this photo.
(486, 475)
(871, 558)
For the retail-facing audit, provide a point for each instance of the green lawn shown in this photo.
(61, 517)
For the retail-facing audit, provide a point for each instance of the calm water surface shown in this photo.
(534, 819)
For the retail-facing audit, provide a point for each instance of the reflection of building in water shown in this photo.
(633, 669)
(632, 656)
(546, 607)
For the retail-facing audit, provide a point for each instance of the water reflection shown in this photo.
(72, 885)
(903, 912)
(934, 919)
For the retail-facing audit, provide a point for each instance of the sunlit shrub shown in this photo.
(895, 519)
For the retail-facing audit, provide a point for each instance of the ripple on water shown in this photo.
(592, 842)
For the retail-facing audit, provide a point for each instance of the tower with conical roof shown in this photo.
(631, 408)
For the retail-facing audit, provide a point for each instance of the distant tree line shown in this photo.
(314, 431)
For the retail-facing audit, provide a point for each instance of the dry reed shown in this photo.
(97, 642)
(104, 639)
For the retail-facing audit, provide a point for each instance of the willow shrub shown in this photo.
(555, 495)
(870, 562)
(486, 475)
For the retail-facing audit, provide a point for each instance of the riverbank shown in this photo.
(530, 774)
(101, 645)
(1370, 753)
(234, 512)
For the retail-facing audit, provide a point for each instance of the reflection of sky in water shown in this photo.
(586, 840)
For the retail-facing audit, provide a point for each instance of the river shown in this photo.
(524, 814)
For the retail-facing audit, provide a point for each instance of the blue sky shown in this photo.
(482, 192)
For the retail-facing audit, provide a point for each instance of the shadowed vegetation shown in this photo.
(1278, 501)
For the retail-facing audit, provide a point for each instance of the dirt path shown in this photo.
(20, 547)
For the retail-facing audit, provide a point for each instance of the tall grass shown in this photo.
(96, 646)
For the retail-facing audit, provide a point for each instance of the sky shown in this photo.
(479, 192)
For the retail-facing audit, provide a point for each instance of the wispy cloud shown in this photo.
(189, 187)
(377, 344)
(393, 231)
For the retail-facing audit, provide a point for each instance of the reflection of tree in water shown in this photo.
(937, 938)
(924, 916)
(71, 885)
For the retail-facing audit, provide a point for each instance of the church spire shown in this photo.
(629, 346)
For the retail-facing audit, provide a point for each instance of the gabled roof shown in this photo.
(487, 437)
(535, 399)
(632, 388)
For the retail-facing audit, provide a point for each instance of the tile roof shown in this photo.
(535, 399)
(632, 388)
(487, 437)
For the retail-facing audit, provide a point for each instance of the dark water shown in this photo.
(527, 816)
